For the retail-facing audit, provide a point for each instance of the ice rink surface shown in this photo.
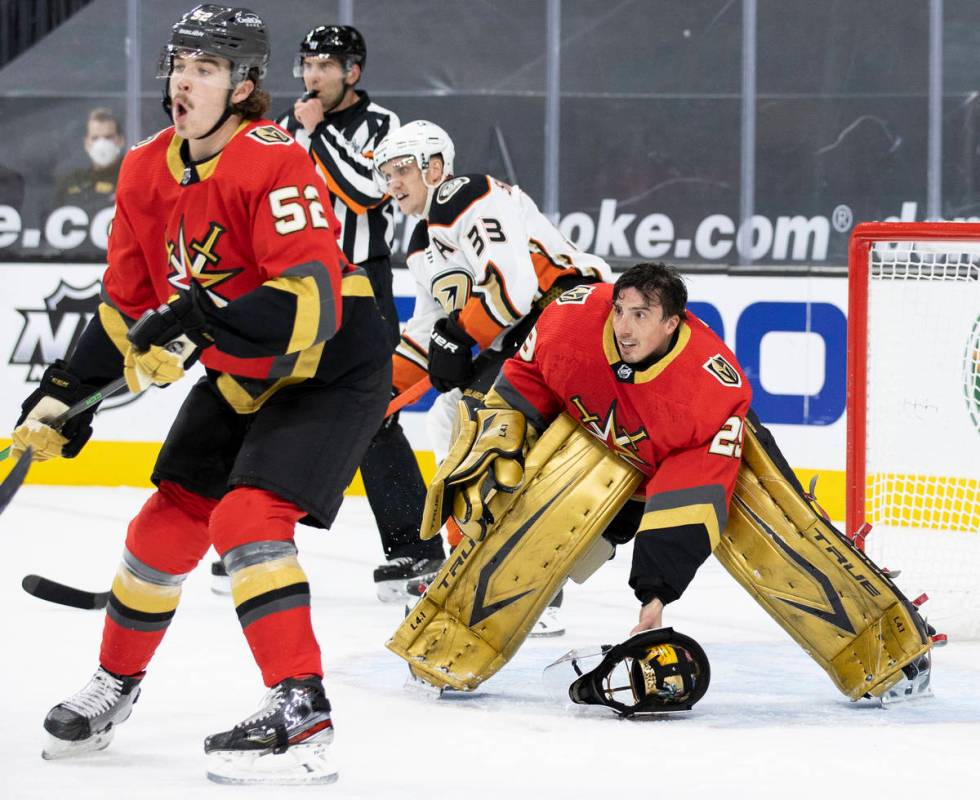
(772, 724)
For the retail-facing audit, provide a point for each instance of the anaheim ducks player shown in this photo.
(485, 262)
(659, 388)
(221, 219)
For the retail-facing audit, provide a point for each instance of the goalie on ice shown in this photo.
(624, 415)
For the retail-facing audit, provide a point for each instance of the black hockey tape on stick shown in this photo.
(55, 592)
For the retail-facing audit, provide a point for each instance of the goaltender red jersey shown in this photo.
(679, 420)
(246, 238)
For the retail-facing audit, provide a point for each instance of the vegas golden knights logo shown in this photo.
(726, 374)
(189, 258)
(270, 134)
(623, 443)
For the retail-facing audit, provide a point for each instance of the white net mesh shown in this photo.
(922, 473)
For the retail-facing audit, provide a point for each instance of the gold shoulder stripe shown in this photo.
(356, 286)
(115, 326)
(701, 513)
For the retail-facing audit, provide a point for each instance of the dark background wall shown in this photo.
(650, 105)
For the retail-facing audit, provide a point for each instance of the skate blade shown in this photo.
(545, 633)
(301, 764)
(394, 591)
(56, 748)
(893, 699)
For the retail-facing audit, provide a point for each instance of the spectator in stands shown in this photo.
(94, 187)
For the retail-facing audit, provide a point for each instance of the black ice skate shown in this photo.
(220, 580)
(284, 742)
(405, 577)
(86, 721)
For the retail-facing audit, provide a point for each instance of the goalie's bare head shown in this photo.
(411, 162)
(648, 306)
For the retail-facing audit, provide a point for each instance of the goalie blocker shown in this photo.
(523, 542)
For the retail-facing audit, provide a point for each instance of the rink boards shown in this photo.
(789, 334)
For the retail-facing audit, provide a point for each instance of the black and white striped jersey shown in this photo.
(342, 146)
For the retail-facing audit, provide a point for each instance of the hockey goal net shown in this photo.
(913, 411)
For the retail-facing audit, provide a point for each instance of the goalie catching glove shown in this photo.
(166, 340)
(487, 457)
(59, 389)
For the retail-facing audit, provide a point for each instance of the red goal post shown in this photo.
(913, 404)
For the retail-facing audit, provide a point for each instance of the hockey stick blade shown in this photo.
(55, 592)
(14, 479)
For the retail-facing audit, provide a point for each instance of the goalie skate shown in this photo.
(549, 624)
(286, 742)
(86, 721)
(915, 684)
(405, 578)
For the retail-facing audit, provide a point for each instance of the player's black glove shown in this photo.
(183, 315)
(58, 390)
(450, 359)
(166, 340)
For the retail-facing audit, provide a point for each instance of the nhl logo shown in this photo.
(49, 333)
(624, 372)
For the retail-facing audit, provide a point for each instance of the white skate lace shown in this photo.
(270, 705)
(102, 691)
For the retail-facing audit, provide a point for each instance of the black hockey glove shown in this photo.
(166, 340)
(450, 359)
(58, 390)
(184, 315)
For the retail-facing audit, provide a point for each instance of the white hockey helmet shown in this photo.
(421, 140)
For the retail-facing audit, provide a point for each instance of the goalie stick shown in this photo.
(54, 592)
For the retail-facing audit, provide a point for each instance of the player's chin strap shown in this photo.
(168, 105)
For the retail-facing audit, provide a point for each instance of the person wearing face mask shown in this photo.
(94, 187)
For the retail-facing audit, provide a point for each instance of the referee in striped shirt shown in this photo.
(340, 126)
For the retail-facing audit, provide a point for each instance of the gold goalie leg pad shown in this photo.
(488, 595)
(825, 593)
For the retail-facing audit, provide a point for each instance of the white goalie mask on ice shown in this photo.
(420, 140)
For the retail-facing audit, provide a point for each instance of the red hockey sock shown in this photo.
(165, 541)
(253, 530)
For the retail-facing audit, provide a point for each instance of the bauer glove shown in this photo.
(58, 390)
(166, 340)
(450, 358)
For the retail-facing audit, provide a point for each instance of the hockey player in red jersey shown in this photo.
(222, 248)
(661, 390)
